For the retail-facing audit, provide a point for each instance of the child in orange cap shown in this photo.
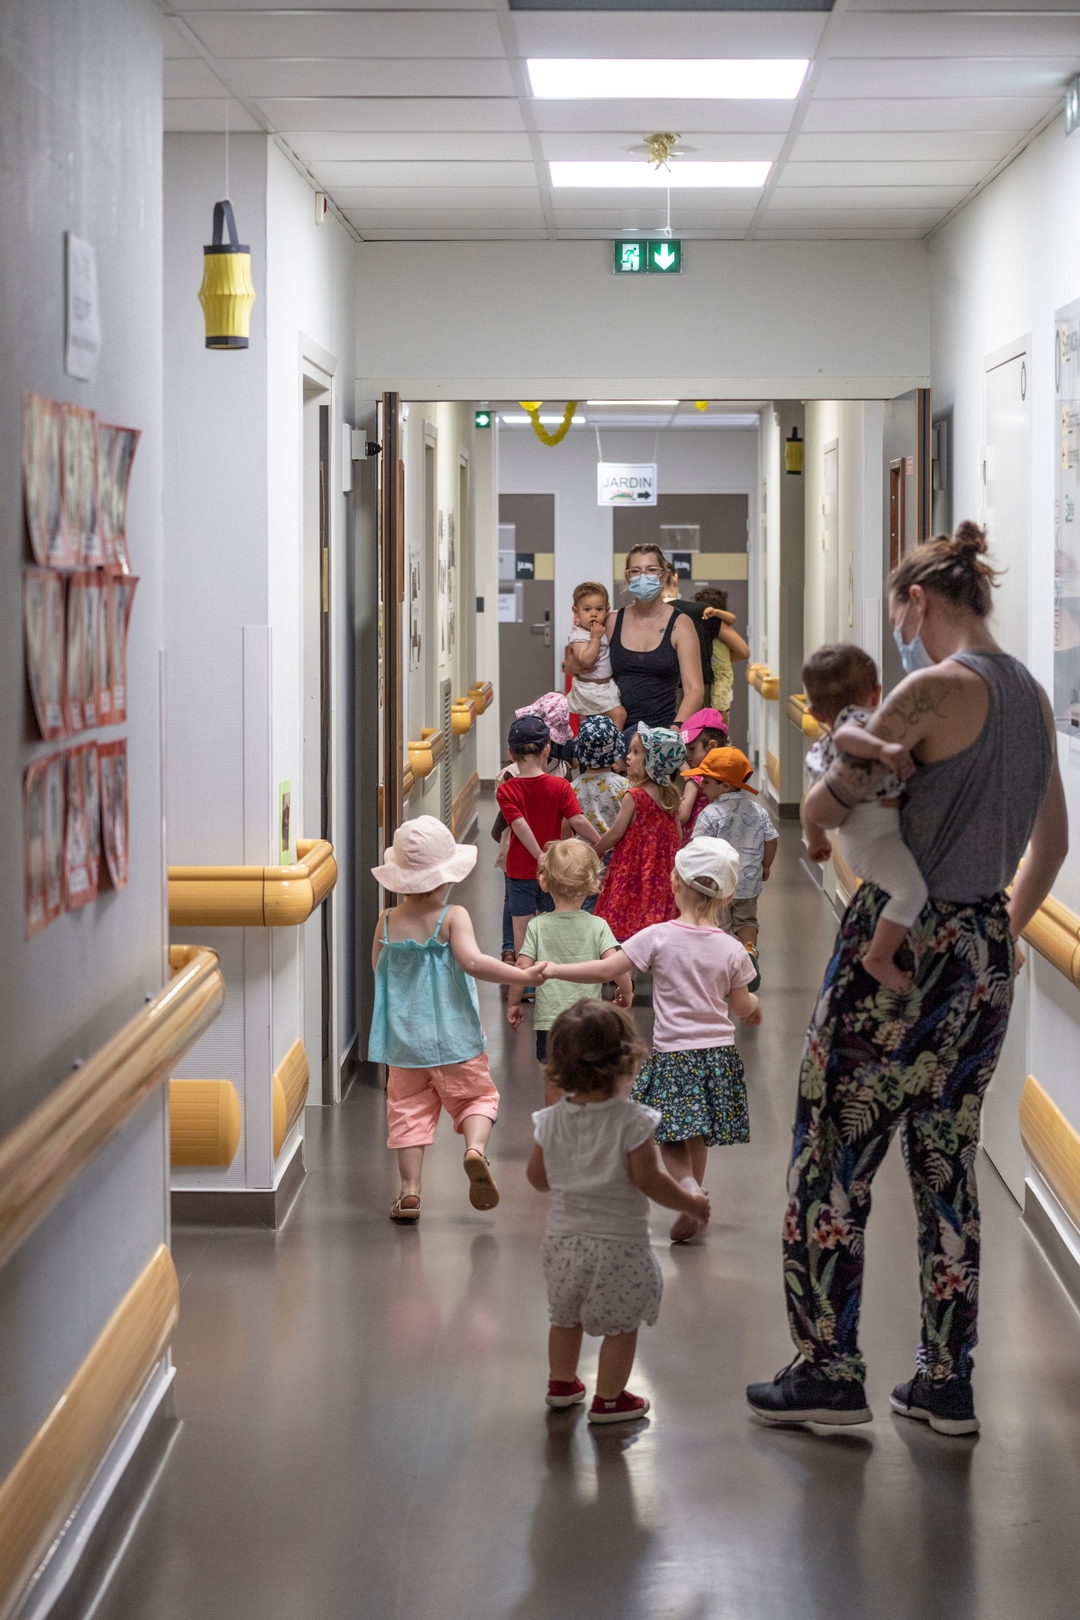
(724, 776)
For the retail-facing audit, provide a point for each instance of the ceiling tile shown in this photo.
(344, 34)
(944, 32)
(915, 219)
(463, 218)
(189, 76)
(1014, 113)
(173, 43)
(447, 198)
(668, 33)
(341, 176)
(447, 233)
(588, 144)
(375, 114)
(904, 146)
(877, 173)
(191, 116)
(355, 76)
(686, 117)
(945, 76)
(398, 146)
(815, 197)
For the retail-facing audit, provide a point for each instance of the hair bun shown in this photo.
(969, 537)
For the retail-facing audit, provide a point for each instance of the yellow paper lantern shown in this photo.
(227, 292)
(794, 448)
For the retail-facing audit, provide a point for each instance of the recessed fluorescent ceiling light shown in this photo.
(666, 79)
(643, 177)
(546, 421)
(632, 402)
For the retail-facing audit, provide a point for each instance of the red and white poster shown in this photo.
(112, 769)
(43, 842)
(74, 422)
(115, 454)
(82, 833)
(86, 649)
(43, 638)
(42, 492)
(117, 600)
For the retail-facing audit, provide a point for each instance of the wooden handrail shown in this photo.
(253, 896)
(462, 715)
(289, 1089)
(799, 714)
(1054, 931)
(1052, 1145)
(760, 677)
(49, 1150)
(46, 1483)
(426, 754)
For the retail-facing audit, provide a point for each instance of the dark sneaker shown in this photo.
(947, 1406)
(801, 1393)
(755, 982)
(564, 1393)
(623, 1409)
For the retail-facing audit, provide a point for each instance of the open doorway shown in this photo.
(315, 799)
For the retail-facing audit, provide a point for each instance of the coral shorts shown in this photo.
(416, 1097)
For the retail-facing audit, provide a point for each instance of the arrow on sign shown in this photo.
(664, 256)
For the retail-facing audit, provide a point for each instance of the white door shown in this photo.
(830, 543)
(1007, 476)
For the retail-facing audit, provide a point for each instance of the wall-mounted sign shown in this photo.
(511, 604)
(644, 258)
(525, 565)
(683, 564)
(621, 483)
(482, 419)
(83, 336)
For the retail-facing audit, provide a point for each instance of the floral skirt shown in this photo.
(699, 1093)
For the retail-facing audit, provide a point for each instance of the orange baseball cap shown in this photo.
(728, 765)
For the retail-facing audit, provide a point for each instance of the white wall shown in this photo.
(234, 531)
(856, 428)
(689, 462)
(745, 320)
(998, 272)
(82, 152)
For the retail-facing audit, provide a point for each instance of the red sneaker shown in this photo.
(623, 1409)
(561, 1393)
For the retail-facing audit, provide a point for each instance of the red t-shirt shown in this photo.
(544, 801)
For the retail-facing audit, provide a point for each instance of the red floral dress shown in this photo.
(637, 887)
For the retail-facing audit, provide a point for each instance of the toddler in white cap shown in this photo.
(426, 1021)
(694, 1076)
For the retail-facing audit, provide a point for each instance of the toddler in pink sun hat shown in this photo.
(554, 710)
(701, 732)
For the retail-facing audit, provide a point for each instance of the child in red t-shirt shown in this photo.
(534, 807)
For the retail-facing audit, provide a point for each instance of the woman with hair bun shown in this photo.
(985, 789)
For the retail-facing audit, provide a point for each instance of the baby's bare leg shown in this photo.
(878, 957)
(564, 1348)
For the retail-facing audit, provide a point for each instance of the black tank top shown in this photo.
(648, 681)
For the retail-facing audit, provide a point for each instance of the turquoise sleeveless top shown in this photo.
(427, 1011)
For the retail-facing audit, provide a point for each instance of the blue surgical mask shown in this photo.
(913, 655)
(646, 588)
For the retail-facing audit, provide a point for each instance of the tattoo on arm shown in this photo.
(903, 714)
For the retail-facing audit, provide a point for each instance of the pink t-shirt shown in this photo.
(692, 971)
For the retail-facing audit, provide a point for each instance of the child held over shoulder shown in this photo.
(842, 691)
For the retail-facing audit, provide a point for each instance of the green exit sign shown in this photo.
(662, 258)
(482, 419)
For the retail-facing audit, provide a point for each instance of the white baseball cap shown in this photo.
(709, 858)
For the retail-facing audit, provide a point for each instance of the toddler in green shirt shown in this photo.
(569, 871)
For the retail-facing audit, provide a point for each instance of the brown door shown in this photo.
(528, 657)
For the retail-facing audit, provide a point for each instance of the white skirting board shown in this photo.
(1054, 1230)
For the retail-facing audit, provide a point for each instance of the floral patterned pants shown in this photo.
(874, 1063)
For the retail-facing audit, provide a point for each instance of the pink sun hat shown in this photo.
(554, 710)
(424, 856)
(694, 724)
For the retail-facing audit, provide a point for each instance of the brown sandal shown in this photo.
(483, 1193)
(399, 1212)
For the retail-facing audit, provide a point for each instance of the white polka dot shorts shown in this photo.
(607, 1285)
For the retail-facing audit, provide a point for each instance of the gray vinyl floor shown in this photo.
(364, 1432)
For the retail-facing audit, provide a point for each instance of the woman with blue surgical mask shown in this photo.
(985, 792)
(654, 647)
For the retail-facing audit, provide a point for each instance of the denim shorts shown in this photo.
(526, 897)
(541, 1045)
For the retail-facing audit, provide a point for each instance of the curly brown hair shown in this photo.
(950, 567)
(592, 1046)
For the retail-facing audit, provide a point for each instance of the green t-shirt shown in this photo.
(565, 936)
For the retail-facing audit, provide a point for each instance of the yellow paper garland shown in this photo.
(532, 406)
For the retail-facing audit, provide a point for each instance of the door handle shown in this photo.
(541, 630)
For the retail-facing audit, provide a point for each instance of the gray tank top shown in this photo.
(967, 819)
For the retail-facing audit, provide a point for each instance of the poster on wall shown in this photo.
(41, 477)
(1067, 520)
(416, 638)
(43, 842)
(85, 662)
(442, 585)
(116, 448)
(116, 604)
(82, 827)
(43, 640)
(451, 585)
(112, 767)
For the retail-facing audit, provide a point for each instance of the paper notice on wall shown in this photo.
(87, 649)
(43, 641)
(43, 842)
(112, 769)
(83, 317)
(117, 600)
(116, 448)
(82, 832)
(42, 497)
